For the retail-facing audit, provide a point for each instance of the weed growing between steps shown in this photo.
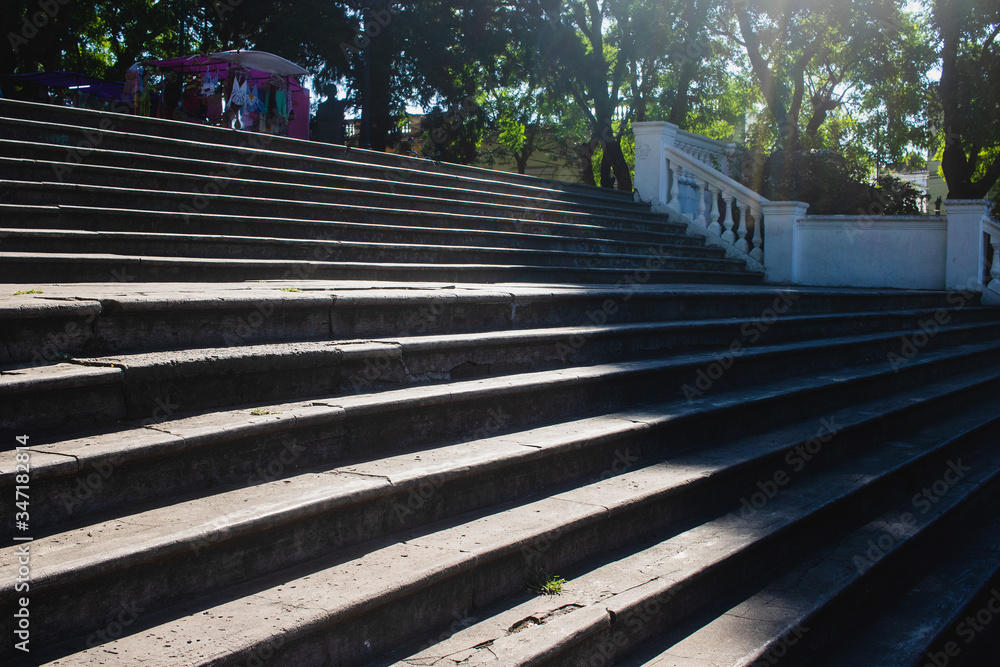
(750, 334)
(541, 583)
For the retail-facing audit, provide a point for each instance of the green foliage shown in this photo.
(545, 584)
(563, 80)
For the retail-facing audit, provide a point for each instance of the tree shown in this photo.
(969, 93)
(811, 57)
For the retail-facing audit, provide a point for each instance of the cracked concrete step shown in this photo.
(34, 193)
(799, 617)
(72, 129)
(46, 162)
(74, 320)
(161, 244)
(617, 607)
(331, 608)
(936, 619)
(319, 512)
(249, 374)
(82, 267)
(102, 219)
(177, 454)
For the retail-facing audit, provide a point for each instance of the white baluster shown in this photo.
(675, 185)
(757, 252)
(742, 229)
(729, 236)
(995, 270)
(700, 220)
(713, 223)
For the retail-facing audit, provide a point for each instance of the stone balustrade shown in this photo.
(679, 173)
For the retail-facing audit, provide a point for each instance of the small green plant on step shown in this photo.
(546, 584)
(258, 412)
(30, 291)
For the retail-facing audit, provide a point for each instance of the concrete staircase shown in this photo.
(489, 382)
(88, 196)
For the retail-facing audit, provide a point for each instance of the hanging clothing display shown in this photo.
(246, 90)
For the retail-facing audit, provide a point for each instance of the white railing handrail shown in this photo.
(991, 226)
(701, 141)
(713, 176)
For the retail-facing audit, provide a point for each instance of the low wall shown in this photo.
(907, 252)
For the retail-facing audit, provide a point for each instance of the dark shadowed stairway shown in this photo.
(292, 404)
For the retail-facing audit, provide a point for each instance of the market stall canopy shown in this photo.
(257, 67)
(261, 60)
(258, 60)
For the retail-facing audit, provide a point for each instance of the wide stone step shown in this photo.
(609, 611)
(46, 162)
(246, 247)
(800, 616)
(320, 190)
(101, 219)
(169, 452)
(54, 322)
(52, 398)
(54, 267)
(328, 206)
(482, 558)
(80, 133)
(936, 619)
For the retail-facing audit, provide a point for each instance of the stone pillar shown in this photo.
(781, 240)
(965, 256)
(652, 179)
